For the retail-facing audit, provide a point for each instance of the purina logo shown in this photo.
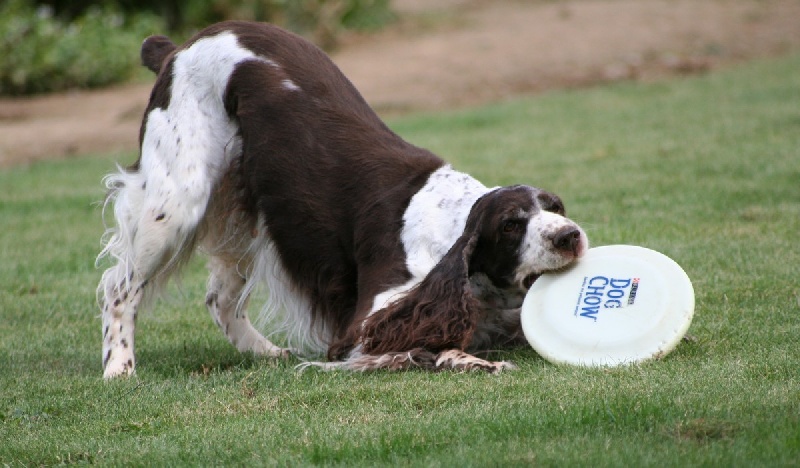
(601, 293)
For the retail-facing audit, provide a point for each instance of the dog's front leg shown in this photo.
(415, 359)
(459, 360)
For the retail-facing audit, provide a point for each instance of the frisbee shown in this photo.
(618, 304)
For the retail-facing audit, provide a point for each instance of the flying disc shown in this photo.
(619, 304)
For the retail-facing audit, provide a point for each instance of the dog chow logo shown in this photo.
(601, 293)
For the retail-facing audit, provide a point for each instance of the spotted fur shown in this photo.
(257, 150)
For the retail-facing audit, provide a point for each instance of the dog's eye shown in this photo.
(512, 225)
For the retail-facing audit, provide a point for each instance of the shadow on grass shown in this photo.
(202, 359)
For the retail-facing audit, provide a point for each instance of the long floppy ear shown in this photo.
(439, 313)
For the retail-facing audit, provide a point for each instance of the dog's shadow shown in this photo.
(203, 359)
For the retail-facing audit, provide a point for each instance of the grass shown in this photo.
(706, 170)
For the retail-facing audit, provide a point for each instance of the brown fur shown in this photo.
(331, 184)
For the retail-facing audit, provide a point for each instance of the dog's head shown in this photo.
(512, 235)
(521, 232)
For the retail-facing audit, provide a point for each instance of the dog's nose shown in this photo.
(567, 239)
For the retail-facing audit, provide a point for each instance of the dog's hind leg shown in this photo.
(155, 233)
(185, 151)
(157, 209)
(228, 309)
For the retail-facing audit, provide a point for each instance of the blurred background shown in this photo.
(71, 82)
(52, 45)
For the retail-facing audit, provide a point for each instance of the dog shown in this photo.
(257, 150)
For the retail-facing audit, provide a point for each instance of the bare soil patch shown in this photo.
(454, 53)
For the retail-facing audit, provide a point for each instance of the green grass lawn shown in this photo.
(705, 170)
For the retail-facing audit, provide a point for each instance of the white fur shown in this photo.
(436, 217)
(185, 151)
(179, 159)
(535, 257)
(286, 311)
(290, 85)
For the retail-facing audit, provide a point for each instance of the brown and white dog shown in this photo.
(256, 149)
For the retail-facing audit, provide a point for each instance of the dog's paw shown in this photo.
(326, 366)
(499, 366)
(120, 366)
(492, 367)
(459, 360)
(263, 347)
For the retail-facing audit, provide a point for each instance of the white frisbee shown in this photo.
(618, 304)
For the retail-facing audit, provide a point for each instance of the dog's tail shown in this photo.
(155, 49)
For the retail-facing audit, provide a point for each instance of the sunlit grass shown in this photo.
(706, 170)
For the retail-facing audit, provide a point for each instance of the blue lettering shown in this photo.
(590, 312)
(592, 300)
(620, 283)
(615, 293)
(599, 280)
(596, 293)
(597, 285)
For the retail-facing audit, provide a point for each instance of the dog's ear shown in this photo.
(439, 313)
(154, 50)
